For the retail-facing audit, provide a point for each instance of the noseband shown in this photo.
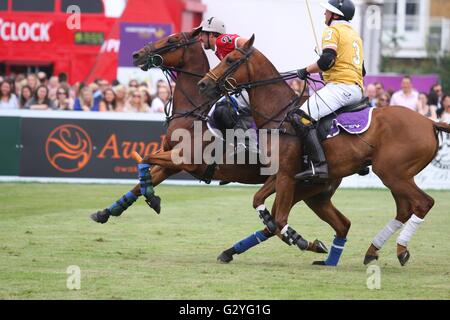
(226, 83)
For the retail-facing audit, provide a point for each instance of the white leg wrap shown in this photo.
(410, 227)
(386, 233)
(284, 230)
(261, 207)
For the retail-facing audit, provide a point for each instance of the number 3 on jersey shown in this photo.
(357, 56)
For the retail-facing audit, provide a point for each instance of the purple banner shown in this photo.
(421, 83)
(133, 36)
(391, 82)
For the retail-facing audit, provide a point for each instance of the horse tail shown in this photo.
(442, 126)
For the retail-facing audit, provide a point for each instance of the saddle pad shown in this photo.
(351, 122)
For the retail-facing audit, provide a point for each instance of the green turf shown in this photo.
(44, 228)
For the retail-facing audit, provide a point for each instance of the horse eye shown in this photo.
(229, 61)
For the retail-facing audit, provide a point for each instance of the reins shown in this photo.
(155, 60)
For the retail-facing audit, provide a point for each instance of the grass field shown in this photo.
(44, 228)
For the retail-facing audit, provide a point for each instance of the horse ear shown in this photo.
(195, 32)
(249, 42)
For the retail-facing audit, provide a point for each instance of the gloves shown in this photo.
(302, 74)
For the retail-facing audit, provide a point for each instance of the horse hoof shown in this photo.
(319, 246)
(154, 203)
(368, 259)
(319, 263)
(404, 257)
(101, 216)
(225, 257)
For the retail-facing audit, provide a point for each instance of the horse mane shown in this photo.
(274, 71)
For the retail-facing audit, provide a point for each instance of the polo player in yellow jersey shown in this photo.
(341, 64)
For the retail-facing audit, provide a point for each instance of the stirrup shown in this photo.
(312, 175)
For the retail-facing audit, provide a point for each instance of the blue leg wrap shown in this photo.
(122, 204)
(145, 180)
(249, 242)
(336, 250)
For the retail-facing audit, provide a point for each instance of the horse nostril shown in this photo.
(135, 55)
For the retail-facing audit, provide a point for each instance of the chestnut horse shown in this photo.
(398, 144)
(183, 53)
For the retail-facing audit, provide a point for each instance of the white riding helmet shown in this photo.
(213, 25)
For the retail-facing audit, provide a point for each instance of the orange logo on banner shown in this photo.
(68, 148)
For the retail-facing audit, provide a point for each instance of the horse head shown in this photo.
(169, 52)
(229, 73)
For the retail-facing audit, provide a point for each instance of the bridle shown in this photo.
(226, 84)
(156, 60)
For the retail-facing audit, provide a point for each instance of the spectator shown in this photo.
(383, 100)
(40, 100)
(146, 95)
(25, 95)
(133, 83)
(8, 99)
(86, 100)
(33, 82)
(108, 102)
(115, 82)
(161, 99)
(136, 103)
(445, 117)
(435, 97)
(379, 88)
(42, 76)
(62, 77)
(63, 99)
(371, 93)
(121, 96)
(406, 96)
(19, 83)
(53, 83)
(424, 108)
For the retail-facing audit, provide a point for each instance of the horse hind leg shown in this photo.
(420, 205)
(389, 229)
(412, 206)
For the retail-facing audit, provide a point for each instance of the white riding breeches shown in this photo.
(330, 98)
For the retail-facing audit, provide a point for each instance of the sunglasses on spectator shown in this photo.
(136, 96)
(61, 92)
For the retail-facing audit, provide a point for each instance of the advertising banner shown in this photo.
(134, 36)
(86, 148)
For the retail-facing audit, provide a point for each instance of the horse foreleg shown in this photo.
(285, 187)
(325, 210)
(259, 236)
(158, 174)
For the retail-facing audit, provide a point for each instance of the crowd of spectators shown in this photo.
(38, 92)
(434, 104)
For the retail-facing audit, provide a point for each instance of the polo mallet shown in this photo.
(318, 51)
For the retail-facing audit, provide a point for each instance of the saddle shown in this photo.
(324, 124)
